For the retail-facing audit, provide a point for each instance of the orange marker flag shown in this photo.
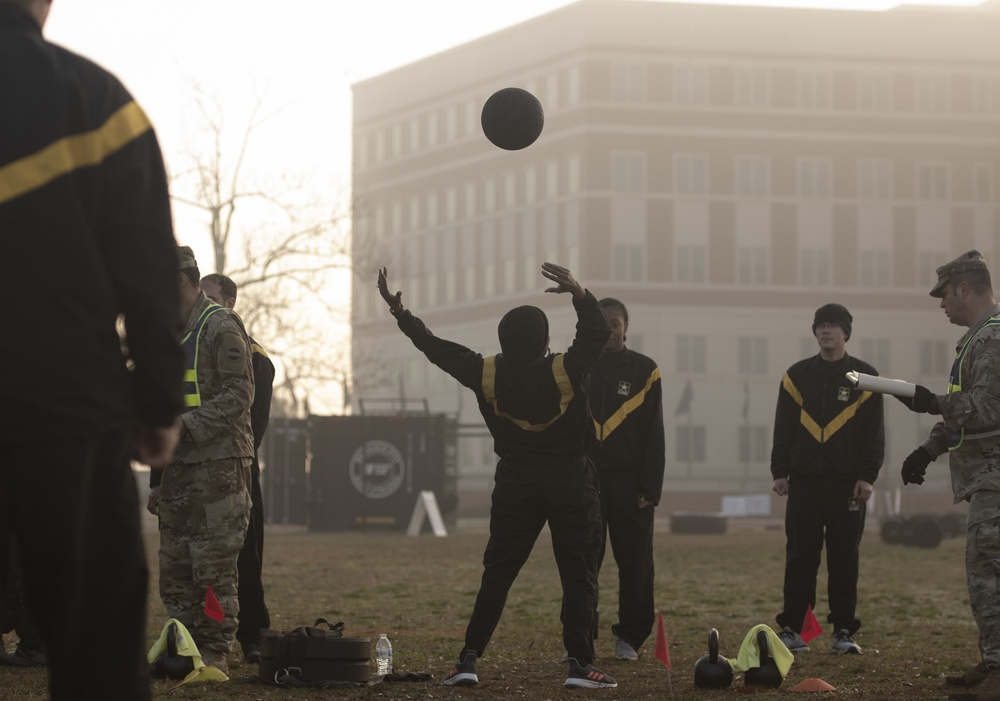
(213, 609)
(810, 626)
(662, 649)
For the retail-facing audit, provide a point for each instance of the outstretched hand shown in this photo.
(395, 301)
(565, 282)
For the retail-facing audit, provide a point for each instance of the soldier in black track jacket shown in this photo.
(829, 442)
(626, 400)
(535, 406)
(87, 245)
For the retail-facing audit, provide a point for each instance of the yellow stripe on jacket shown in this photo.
(71, 153)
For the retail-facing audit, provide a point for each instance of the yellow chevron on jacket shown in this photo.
(71, 153)
(559, 375)
(616, 419)
(822, 433)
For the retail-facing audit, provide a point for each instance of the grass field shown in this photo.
(420, 591)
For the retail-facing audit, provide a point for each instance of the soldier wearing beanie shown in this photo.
(535, 406)
(829, 442)
(969, 433)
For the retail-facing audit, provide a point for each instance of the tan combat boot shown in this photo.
(973, 677)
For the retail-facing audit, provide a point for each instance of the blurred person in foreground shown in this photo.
(535, 406)
(88, 242)
(202, 496)
(626, 399)
(254, 615)
(969, 432)
(829, 443)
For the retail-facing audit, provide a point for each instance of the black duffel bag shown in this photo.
(314, 656)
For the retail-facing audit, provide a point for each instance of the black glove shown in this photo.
(915, 466)
(923, 401)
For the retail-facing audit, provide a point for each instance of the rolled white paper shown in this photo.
(882, 385)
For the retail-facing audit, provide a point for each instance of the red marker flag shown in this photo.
(810, 626)
(213, 609)
(662, 649)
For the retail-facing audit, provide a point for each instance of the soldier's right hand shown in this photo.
(153, 503)
(915, 466)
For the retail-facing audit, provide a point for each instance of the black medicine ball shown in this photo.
(512, 118)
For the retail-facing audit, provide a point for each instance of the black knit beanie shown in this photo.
(524, 334)
(834, 314)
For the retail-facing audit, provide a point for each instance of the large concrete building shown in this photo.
(723, 170)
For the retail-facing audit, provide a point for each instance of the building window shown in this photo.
(627, 260)
(432, 209)
(691, 174)
(752, 87)
(753, 177)
(934, 357)
(875, 180)
(451, 123)
(628, 171)
(875, 352)
(397, 140)
(814, 90)
(690, 354)
(984, 182)
(573, 85)
(627, 83)
(413, 214)
(814, 267)
(875, 268)
(509, 191)
(932, 181)
(987, 96)
(414, 140)
(874, 93)
(927, 264)
(490, 196)
(815, 179)
(573, 174)
(753, 444)
(752, 266)
(470, 200)
(530, 185)
(450, 205)
(379, 146)
(691, 263)
(397, 218)
(932, 93)
(690, 444)
(690, 85)
(753, 356)
(551, 180)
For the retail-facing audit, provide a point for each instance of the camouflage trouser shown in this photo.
(204, 510)
(982, 568)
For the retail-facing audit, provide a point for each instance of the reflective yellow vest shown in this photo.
(956, 438)
(191, 342)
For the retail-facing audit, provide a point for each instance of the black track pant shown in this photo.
(819, 512)
(253, 611)
(72, 507)
(524, 499)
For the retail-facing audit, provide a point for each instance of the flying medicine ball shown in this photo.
(512, 118)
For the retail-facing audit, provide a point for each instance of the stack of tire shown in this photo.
(922, 531)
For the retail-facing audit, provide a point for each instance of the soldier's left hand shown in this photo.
(923, 401)
(395, 301)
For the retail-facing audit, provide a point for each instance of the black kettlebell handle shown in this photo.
(713, 646)
(762, 647)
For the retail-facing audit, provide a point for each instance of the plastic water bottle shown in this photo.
(383, 656)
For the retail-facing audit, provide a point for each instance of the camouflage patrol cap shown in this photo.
(186, 256)
(967, 262)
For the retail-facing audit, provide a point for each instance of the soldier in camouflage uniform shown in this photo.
(969, 431)
(203, 500)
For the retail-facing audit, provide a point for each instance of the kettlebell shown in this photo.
(169, 664)
(713, 671)
(767, 674)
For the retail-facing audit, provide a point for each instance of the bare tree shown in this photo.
(288, 251)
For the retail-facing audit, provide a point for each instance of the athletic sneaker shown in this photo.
(843, 643)
(624, 651)
(588, 677)
(464, 673)
(792, 640)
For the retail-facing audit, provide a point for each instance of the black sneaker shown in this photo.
(464, 673)
(588, 677)
(26, 657)
(251, 652)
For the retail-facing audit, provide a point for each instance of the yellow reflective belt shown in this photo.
(616, 419)
(71, 153)
(558, 374)
(822, 433)
(193, 399)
